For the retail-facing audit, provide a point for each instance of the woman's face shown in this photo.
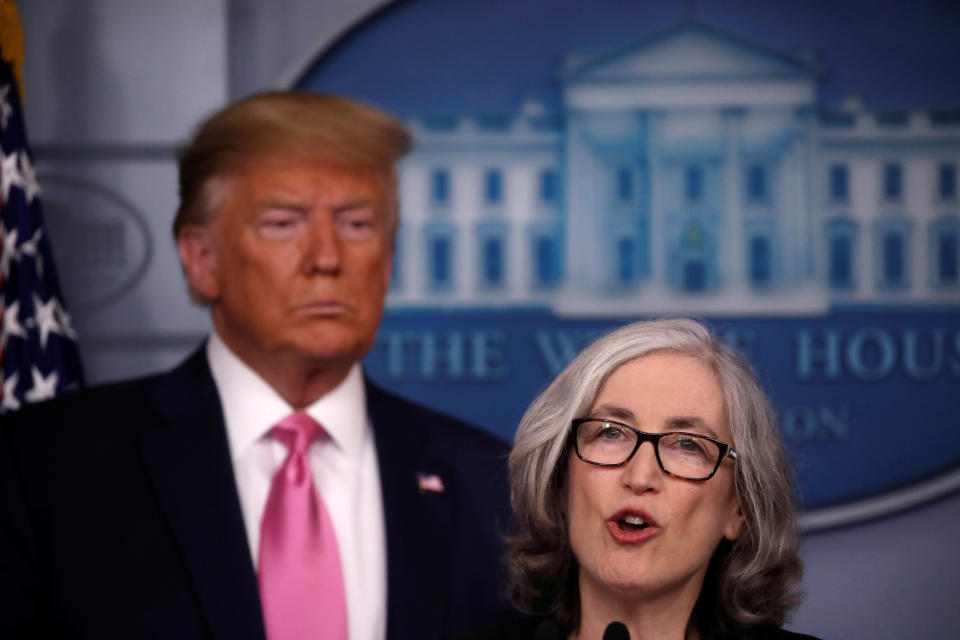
(683, 521)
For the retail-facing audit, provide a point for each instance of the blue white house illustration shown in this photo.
(690, 172)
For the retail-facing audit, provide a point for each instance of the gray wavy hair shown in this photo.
(752, 580)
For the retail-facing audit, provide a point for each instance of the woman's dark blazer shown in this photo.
(528, 628)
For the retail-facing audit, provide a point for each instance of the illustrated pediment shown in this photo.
(687, 51)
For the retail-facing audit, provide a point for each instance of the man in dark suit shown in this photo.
(149, 508)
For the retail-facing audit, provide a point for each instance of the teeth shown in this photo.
(634, 520)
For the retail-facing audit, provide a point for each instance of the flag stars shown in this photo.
(35, 366)
(31, 248)
(11, 324)
(9, 401)
(63, 318)
(30, 185)
(9, 253)
(10, 175)
(6, 110)
(43, 388)
(47, 317)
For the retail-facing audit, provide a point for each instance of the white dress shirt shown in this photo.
(344, 470)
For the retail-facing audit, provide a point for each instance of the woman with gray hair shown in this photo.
(693, 536)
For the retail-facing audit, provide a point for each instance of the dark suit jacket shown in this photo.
(527, 628)
(119, 517)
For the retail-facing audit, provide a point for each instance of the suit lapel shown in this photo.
(418, 522)
(187, 456)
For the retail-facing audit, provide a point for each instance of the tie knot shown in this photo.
(297, 431)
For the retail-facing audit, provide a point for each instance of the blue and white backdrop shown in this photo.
(785, 170)
(574, 175)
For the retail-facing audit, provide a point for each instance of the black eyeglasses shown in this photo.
(689, 456)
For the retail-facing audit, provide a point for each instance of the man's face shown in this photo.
(296, 262)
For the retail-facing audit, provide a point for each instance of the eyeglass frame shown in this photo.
(726, 451)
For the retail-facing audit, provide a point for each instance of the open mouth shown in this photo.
(632, 526)
(632, 523)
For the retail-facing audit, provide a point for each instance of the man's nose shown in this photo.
(642, 472)
(324, 251)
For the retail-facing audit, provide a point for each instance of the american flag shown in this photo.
(429, 483)
(38, 349)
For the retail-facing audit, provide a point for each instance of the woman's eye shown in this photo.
(689, 445)
(611, 433)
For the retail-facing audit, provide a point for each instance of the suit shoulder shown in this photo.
(73, 416)
(102, 405)
(439, 427)
(101, 399)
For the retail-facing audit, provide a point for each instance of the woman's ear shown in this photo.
(735, 523)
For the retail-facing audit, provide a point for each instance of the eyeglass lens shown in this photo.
(681, 454)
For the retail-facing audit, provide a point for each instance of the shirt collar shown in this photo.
(251, 406)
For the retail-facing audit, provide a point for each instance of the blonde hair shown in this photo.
(314, 126)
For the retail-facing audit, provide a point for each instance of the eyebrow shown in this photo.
(276, 203)
(295, 204)
(351, 205)
(614, 411)
(673, 423)
(690, 423)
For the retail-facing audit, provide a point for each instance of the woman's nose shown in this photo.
(642, 472)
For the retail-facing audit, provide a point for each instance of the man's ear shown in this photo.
(198, 257)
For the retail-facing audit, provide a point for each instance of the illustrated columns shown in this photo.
(732, 256)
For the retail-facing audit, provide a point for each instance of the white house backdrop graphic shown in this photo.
(692, 171)
(649, 192)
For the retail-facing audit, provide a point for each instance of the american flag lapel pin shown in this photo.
(429, 483)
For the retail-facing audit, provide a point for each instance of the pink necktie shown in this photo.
(301, 584)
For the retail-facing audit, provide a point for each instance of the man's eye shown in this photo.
(357, 224)
(279, 225)
(278, 218)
